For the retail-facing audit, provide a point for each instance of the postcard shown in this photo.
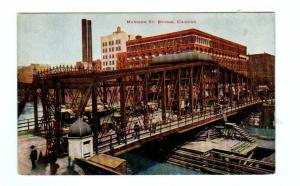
(146, 93)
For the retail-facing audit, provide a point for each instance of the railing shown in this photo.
(62, 70)
(109, 141)
(26, 125)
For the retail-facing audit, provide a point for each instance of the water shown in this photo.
(265, 123)
(28, 111)
(141, 165)
(261, 131)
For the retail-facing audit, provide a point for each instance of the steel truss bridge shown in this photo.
(163, 99)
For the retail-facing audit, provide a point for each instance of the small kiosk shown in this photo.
(80, 139)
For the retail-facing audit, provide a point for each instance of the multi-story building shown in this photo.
(25, 73)
(111, 45)
(141, 50)
(262, 69)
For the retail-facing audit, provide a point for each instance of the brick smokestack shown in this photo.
(84, 40)
(89, 41)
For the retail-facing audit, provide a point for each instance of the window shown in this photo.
(86, 149)
(118, 41)
(118, 48)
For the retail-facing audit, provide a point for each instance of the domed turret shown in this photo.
(80, 129)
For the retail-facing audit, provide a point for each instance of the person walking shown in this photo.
(136, 130)
(33, 156)
(52, 161)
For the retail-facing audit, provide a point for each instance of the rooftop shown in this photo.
(181, 33)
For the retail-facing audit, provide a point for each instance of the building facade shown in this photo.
(25, 73)
(111, 45)
(141, 50)
(262, 69)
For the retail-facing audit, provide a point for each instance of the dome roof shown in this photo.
(79, 129)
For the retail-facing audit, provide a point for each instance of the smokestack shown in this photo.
(89, 42)
(84, 40)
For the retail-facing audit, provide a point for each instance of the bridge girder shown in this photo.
(146, 96)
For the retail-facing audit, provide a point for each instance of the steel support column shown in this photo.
(105, 93)
(58, 117)
(145, 100)
(135, 90)
(95, 116)
(202, 93)
(231, 89)
(237, 84)
(164, 97)
(217, 84)
(224, 81)
(35, 110)
(62, 92)
(191, 91)
(123, 106)
(178, 93)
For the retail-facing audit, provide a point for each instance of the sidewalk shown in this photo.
(24, 162)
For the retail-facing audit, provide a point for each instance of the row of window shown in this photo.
(118, 48)
(209, 51)
(105, 63)
(161, 44)
(202, 41)
(187, 40)
(227, 47)
(118, 41)
(109, 56)
(109, 68)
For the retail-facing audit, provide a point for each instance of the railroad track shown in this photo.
(188, 159)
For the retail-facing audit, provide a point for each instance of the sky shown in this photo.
(56, 38)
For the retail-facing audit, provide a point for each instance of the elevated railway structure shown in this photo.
(168, 96)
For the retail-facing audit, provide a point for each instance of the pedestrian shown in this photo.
(52, 161)
(118, 133)
(136, 130)
(33, 156)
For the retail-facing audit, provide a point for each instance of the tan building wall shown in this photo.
(111, 45)
(25, 73)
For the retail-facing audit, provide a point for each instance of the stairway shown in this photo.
(241, 132)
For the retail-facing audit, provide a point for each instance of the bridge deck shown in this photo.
(109, 143)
